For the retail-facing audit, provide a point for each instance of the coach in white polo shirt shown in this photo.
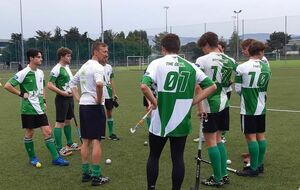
(91, 111)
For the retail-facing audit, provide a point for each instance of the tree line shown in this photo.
(120, 45)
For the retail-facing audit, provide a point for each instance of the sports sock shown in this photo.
(29, 147)
(262, 151)
(110, 124)
(223, 154)
(57, 136)
(96, 170)
(215, 158)
(68, 134)
(85, 168)
(148, 121)
(51, 147)
(254, 152)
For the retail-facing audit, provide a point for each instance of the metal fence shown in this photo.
(259, 29)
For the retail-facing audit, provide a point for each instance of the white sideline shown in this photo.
(275, 110)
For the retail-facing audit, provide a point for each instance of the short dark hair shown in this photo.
(171, 43)
(222, 44)
(256, 47)
(61, 52)
(96, 45)
(32, 52)
(246, 43)
(209, 38)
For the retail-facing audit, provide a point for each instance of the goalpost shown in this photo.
(135, 62)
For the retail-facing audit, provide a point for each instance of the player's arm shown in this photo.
(53, 88)
(113, 87)
(10, 86)
(200, 110)
(98, 77)
(149, 95)
(208, 87)
(73, 85)
(238, 82)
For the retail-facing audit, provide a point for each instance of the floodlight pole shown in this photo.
(237, 33)
(166, 7)
(22, 41)
(102, 33)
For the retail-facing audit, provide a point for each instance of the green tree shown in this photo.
(191, 51)
(278, 40)
(157, 38)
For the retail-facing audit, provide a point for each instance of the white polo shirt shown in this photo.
(88, 75)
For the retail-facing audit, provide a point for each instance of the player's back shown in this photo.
(218, 67)
(254, 78)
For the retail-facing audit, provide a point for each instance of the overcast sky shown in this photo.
(125, 15)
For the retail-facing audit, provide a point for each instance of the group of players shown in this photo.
(178, 85)
(33, 107)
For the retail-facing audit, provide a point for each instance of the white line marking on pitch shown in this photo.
(275, 110)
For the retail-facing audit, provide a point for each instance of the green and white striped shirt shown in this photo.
(33, 83)
(252, 81)
(218, 67)
(175, 80)
(60, 76)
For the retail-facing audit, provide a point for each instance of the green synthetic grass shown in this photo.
(129, 155)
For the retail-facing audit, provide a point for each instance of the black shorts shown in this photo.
(64, 108)
(109, 105)
(253, 124)
(92, 121)
(216, 121)
(34, 121)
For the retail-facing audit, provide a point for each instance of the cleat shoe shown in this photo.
(102, 137)
(212, 182)
(99, 180)
(60, 162)
(225, 179)
(261, 169)
(86, 177)
(35, 162)
(64, 151)
(73, 147)
(113, 137)
(247, 171)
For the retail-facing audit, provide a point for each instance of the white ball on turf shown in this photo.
(108, 161)
(229, 162)
(146, 143)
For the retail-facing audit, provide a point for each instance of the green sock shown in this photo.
(215, 159)
(110, 124)
(96, 170)
(57, 136)
(254, 152)
(51, 147)
(262, 151)
(223, 154)
(68, 134)
(85, 168)
(29, 147)
(148, 121)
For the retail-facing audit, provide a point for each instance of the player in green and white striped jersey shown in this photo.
(109, 93)
(60, 77)
(218, 67)
(251, 84)
(175, 79)
(245, 46)
(31, 82)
